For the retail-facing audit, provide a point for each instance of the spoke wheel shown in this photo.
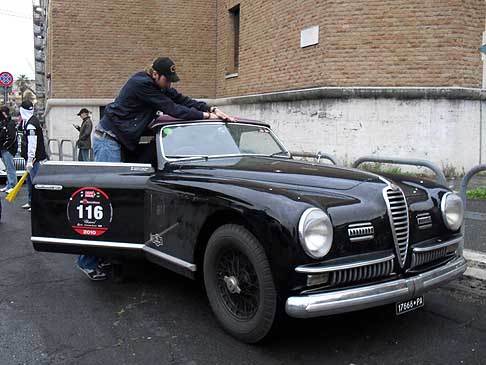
(239, 283)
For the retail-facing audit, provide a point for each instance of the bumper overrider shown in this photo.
(348, 300)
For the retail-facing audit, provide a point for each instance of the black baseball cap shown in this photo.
(83, 110)
(27, 105)
(165, 66)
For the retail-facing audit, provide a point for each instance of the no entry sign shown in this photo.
(6, 79)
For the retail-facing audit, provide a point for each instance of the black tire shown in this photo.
(234, 256)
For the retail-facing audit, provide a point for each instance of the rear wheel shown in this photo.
(239, 283)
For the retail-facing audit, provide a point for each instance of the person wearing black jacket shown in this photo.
(84, 140)
(8, 147)
(125, 120)
(32, 147)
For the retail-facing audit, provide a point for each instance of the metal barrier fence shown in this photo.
(402, 161)
(56, 150)
(73, 156)
(317, 156)
(51, 153)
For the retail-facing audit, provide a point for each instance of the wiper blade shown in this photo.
(188, 158)
(280, 153)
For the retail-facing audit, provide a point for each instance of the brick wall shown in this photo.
(95, 45)
(362, 43)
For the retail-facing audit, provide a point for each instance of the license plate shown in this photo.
(409, 305)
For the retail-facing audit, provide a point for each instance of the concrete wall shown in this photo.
(61, 114)
(440, 125)
(437, 128)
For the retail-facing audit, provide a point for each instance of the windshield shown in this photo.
(217, 139)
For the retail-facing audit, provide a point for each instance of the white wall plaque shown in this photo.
(309, 36)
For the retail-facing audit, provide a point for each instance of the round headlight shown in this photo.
(452, 209)
(315, 232)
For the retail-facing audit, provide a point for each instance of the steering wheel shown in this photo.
(186, 150)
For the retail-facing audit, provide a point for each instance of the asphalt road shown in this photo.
(50, 313)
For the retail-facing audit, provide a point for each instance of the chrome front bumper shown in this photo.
(348, 300)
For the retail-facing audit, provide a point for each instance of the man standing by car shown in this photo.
(33, 148)
(125, 120)
(8, 147)
(84, 141)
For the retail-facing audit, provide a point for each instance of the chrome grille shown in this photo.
(398, 215)
(361, 273)
(361, 232)
(421, 258)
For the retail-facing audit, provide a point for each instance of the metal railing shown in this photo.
(463, 192)
(318, 156)
(402, 161)
(73, 156)
(57, 153)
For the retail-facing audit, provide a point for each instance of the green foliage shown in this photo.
(477, 193)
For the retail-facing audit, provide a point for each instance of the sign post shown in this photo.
(6, 80)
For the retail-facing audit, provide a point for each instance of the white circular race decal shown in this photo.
(89, 211)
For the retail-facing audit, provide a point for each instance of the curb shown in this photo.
(476, 262)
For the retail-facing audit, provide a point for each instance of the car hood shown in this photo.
(277, 170)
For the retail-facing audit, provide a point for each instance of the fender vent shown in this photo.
(361, 232)
(424, 220)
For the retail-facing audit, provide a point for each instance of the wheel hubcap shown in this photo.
(232, 284)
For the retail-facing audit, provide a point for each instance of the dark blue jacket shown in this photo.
(136, 106)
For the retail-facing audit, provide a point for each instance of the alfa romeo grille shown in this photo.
(357, 274)
(398, 215)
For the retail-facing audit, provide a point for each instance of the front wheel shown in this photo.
(239, 283)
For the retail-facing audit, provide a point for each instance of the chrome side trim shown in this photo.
(438, 245)
(322, 269)
(172, 259)
(347, 300)
(361, 239)
(71, 242)
(48, 187)
(104, 164)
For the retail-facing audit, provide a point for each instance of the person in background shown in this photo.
(84, 141)
(8, 147)
(32, 148)
(124, 121)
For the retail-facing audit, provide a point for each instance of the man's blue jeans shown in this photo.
(8, 161)
(31, 176)
(105, 150)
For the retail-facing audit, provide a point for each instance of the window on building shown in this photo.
(234, 41)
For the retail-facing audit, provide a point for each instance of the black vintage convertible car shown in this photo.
(267, 234)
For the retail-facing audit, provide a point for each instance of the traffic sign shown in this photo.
(6, 79)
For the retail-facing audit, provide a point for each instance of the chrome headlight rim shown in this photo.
(443, 207)
(303, 224)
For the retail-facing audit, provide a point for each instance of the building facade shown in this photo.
(353, 74)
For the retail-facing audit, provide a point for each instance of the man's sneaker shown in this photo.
(30, 209)
(8, 191)
(25, 206)
(95, 275)
(3, 189)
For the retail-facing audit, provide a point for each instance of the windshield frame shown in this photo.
(161, 151)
